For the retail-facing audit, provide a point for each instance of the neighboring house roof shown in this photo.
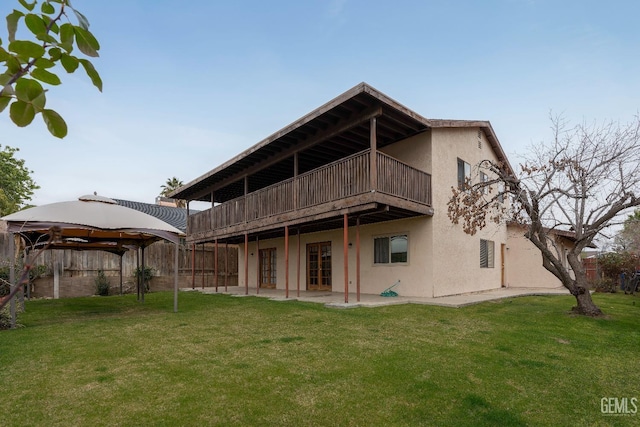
(341, 122)
(176, 217)
(569, 235)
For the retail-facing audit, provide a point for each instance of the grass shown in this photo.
(249, 361)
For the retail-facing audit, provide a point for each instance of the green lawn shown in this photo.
(250, 361)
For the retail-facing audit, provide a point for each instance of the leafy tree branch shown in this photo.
(27, 64)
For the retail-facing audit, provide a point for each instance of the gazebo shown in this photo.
(92, 223)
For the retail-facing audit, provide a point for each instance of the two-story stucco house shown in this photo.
(352, 198)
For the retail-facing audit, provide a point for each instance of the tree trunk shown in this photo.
(579, 289)
(585, 306)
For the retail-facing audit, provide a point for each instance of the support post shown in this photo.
(226, 265)
(138, 272)
(56, 274)
(286, 261)
(295, 181)
(358, 258)
(193, 266)
(212, 216)
(373, 159)
(12, 280)
(246, 263)
(246, 191)
(176, 260)
(298, 267)
(121, 255)
(345, 244)
(215, 263)
(257, 265)
(143, 271)
(203, 266)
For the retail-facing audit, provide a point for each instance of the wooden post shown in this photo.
(187, 206)
(12, 279)
(295, 180)
(138, 271)
(203, 272)
(56, 274)
(345, 244)
(215, 263)
(246, 191)
(246, 263)
(143, 275)
(286, 261)
(226, 265)
(193, 266)
(257, 265)
(176, 260)
(121, 255)
(298, 281)
(213, 212)
(373, 160)
(358, 258)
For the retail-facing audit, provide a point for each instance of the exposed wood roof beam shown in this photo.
(343, 127)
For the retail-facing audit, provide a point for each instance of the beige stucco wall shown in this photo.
(414, 151)
(414, 275)
(456, 267)
(524, 263)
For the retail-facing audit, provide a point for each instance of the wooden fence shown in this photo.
(80, 268)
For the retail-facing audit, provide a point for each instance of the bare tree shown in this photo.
(583, 182)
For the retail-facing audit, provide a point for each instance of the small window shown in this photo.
(483, 179)
(391, 249)
(500, 192)
(464, 173)
(486, 253)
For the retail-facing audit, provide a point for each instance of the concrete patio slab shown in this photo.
(337, 300)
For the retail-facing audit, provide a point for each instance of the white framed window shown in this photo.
(391, 249)
(464, 173)
(483, 179)
(487, 250)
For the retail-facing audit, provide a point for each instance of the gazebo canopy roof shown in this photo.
(93, 223)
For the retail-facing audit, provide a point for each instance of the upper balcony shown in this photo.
(318, 198)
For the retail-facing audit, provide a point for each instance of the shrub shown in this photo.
(148, 275)
(35, 272)
(606, 285)
(5, 316)
(614, 263)
(102, 284)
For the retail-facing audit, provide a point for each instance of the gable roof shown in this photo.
(176, 217)
(321, 137)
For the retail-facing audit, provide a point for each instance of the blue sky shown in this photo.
(190, 84)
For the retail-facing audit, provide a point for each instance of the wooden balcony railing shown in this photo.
(338, 180)
(401, 180)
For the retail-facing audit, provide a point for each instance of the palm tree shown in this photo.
(171, 185)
